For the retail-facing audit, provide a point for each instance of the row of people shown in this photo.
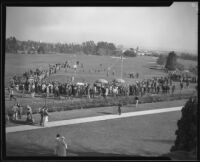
(155, 85)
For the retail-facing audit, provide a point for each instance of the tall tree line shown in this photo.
(31, 47)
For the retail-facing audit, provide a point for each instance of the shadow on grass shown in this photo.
(93, 153)
(37, 150)
(22, 122)
(146, 152)
(27, 150)
(21, 150)
(159, 141)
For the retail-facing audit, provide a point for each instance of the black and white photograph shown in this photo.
(91, 81)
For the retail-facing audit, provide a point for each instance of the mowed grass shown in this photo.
(18, 64)
(187, 63)
(148, 135)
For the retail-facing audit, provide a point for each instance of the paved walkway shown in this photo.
(90, 119)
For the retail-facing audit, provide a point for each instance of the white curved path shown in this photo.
(91, 119)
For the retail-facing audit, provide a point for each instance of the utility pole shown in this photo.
(45, 99)
(121, 67)
(122, 58)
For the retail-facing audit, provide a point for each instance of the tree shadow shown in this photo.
(29, 150)
(159, 141)
(37, 150)
(105, 112)
(146, 152)
(93, 153)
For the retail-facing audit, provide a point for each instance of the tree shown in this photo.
(41, 50)
(11, 45)
(186, 135)
(89, 47)
(171, 61)
(104, 48)
(130, 53)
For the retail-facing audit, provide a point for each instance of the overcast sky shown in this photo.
(162, 28)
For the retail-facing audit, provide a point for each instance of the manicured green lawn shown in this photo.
(148, 135)
(18, 64)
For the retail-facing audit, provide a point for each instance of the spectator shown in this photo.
(136, 100)
(60, 146)
(181, 85)
(41, 111)
(29, 118)
(33, 90)
(14, 112)
(19, 110)
(119, 108)
(45, 116)
(11, 94)
(187, 83)
(173, 88)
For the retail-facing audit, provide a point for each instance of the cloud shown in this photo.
(161, 27)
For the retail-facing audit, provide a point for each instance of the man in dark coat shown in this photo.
(119, 108)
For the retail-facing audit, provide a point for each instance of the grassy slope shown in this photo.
(149, 135)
